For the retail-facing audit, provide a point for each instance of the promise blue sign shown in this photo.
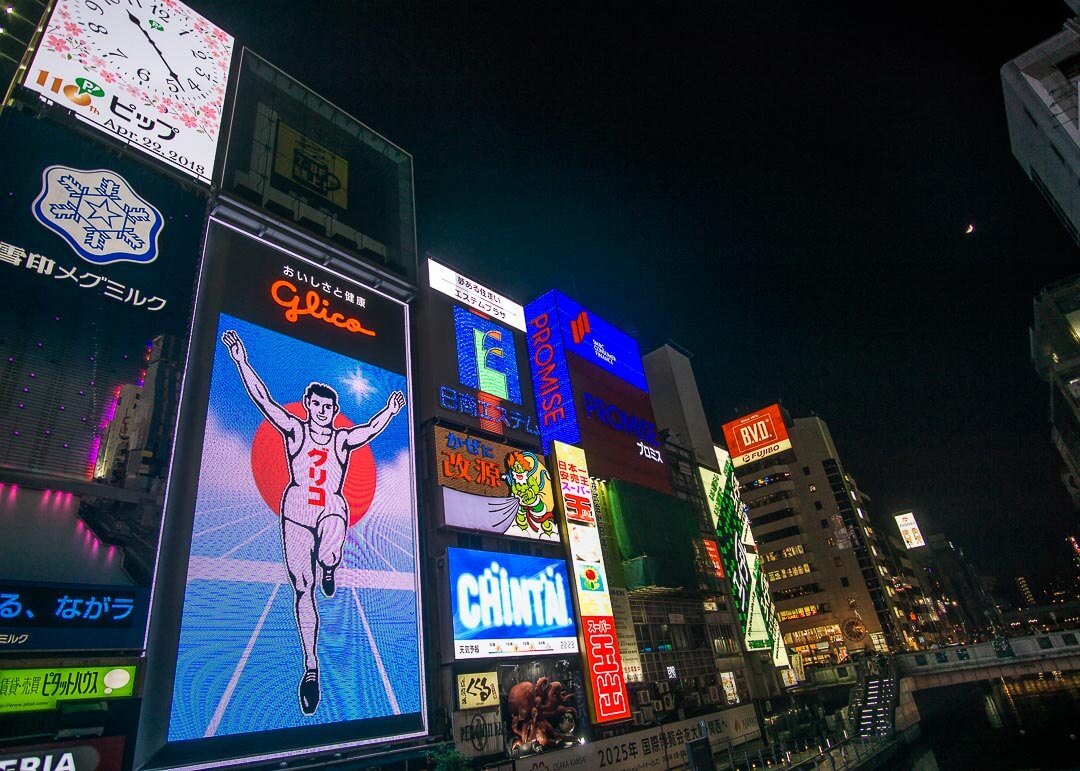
(509, 605)
(595, 340)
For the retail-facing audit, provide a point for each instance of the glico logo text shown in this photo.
(285, 294)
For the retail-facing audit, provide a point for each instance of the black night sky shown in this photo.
(782, 189)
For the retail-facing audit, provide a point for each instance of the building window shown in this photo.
(844, 581)
(838, 561)
(813, 488)
(818, 505)
(806, 471)
(824, 524)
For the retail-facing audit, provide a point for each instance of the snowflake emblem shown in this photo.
(99, 215)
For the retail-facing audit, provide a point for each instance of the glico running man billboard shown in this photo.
(591, 391)
(97, 267)
(476, 366)
(300, 610)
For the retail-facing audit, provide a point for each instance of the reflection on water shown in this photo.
(1008, 723)
(44, 540)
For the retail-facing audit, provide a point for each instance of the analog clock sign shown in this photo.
(150, 72)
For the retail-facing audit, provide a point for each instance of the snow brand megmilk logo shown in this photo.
(99, 215)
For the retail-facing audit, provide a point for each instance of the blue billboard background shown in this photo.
(551, 573)
(239, 657)
(598, 342)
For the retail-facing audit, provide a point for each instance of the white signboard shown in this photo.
(465, 290)
(652, 748)
(150, 74)
(624, 626)
(909, 530)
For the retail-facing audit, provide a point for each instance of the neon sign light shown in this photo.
(314, 306)
(487, 360)
(551, 379)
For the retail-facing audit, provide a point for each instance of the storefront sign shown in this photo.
(104, 753)
(479, 732)
(26, 690)
(477, 689)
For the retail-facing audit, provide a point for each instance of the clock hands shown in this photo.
(134, 20)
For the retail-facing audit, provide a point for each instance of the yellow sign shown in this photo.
(312, 166)
(477, 689)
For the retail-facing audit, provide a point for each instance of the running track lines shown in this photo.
(219, 713)
(242, 544)
(378, 659)
(227, 524)
(396, 545)
(376, 551)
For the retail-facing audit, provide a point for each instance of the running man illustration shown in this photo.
(314, 513)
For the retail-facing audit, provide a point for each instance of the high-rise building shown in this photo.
(1025, 591)
(1041, 102)
(1055, 352)
(823, 559)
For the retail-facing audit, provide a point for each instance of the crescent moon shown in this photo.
(970, 229)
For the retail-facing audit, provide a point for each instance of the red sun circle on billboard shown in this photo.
(270, 468)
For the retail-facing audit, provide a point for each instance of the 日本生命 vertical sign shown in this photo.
(605, 680)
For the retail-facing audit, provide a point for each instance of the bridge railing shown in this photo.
(1002, 651)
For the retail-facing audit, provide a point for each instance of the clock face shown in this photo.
(152, 73)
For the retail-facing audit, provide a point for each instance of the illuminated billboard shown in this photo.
(98, 258)
(591, 391)
(543, 702)
(291, 525)
(152, 77)
(477, 371)
(909, 530)
(605, 682)
(494, 488)
(756, 436)
(509, 605)
(738, 556)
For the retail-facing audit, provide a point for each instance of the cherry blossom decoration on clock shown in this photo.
(152, 74)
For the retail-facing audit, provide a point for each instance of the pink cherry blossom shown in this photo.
(72, 28)
(108, 77)
(57, 43)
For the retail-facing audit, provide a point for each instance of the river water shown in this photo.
(1030, 722)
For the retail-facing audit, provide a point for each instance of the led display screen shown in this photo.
(605, 683)
(494, 488)
(509, 605)
(97, 260)
(152, 76)
(587, 335)
(598, 402)
(474, 346)
(299, 595)
(909, 530)
(756, 436)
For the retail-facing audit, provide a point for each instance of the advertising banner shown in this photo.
(542, 700)
(909, 530)
(479, 732)
(301, 604)
(97, 259)
(26, 690)
(599, 402)
(713, 553)
(478, 689)
(509, 605)
(756, 436)
(605, 682)
(477, 371)
(590, 337)
(104, 753)
(494, 488)
(153, 77)
(654, 747)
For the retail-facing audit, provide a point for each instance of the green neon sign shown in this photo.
(26, 690)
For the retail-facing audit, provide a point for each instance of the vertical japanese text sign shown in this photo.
(605, 683)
